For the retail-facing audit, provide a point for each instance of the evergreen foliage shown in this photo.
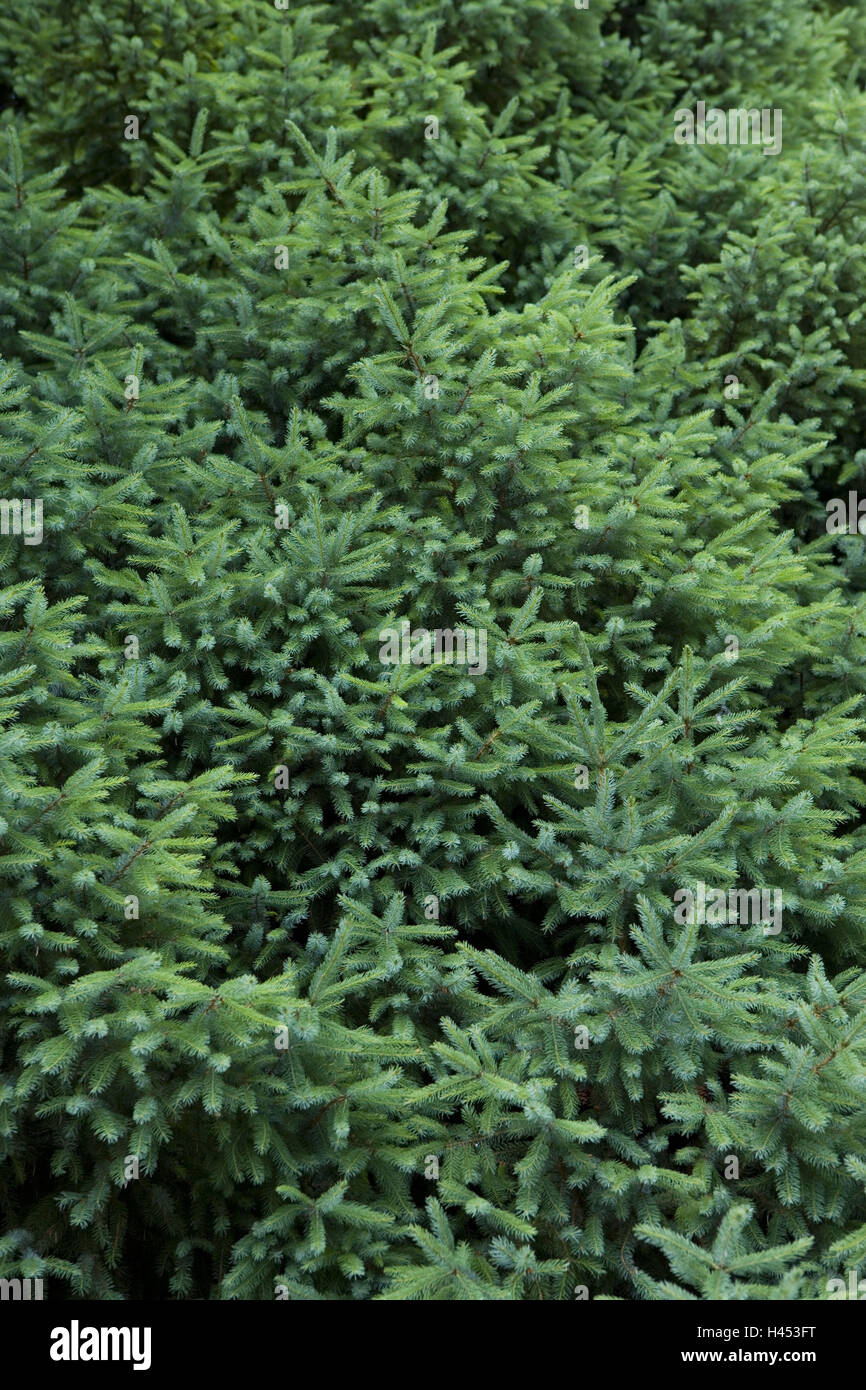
(328, 978)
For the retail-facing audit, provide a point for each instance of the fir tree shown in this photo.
(329, 975)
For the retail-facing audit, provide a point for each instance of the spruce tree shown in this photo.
(330, 974)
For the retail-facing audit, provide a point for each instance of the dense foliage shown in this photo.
(325, 978)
